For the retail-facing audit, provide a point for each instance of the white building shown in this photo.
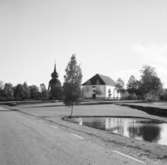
(100, 86)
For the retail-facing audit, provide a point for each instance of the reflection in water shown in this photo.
(147, 133)
(142, 129)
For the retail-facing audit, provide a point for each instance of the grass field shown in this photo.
(51, 110)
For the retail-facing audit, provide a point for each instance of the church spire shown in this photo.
(55, 67)
(54, 74)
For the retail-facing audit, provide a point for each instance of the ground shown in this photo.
(36, 134)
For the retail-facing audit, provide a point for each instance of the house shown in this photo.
(100, 86)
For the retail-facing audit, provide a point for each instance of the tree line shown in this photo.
(69, 92)
(22, 91)
(149, 87)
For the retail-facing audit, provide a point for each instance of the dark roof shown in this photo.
(99, 79)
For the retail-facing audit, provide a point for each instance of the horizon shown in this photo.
(113, 38)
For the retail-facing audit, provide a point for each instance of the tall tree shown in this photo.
(151, 85)
(72, 83)
(55, 89)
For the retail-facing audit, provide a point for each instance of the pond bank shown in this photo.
(153, 109)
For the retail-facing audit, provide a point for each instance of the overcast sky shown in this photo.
(111, 37)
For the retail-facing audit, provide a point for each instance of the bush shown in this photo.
(128, 96)
(132, 97)
(163, 95)
(151, 96)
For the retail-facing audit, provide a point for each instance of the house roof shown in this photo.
(100, 80)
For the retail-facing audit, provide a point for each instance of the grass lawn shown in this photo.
(51, 110)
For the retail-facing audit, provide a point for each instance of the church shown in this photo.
(100, 86)
(54, 87)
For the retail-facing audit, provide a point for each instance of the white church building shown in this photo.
(100, 86)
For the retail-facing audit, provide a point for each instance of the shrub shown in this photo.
(151, 96)
(163, 95)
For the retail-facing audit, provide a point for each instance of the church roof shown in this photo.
(100, 79)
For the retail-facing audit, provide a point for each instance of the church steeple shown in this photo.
(55, 67)
(54, 74)
(55, 89)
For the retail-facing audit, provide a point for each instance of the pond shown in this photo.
(137, 128)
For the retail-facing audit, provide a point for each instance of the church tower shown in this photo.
(55, 89)
(54, 75)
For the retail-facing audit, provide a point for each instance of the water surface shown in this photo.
(137, 128)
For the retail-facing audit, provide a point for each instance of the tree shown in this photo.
(163, 95)
(151, 85)
(1, 90)
(55, 89)
(34, 92)
(44, 92)
(22, 91)
(120, 85)
(1, 85)
(8, 91)
(133, 88)
(19, 92)
(26, 91)
(72, 83)
(132, 85)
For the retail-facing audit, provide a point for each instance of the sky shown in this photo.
(111, 37)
